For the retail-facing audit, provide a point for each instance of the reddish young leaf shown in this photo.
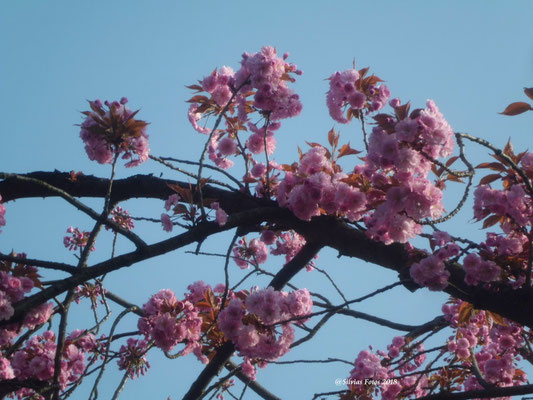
(465, 312)
(451, 161)
(516, 108)
(490, 221)
(489, 178)
(346, 150)
(402, 111)
(493, 166)
(529, 92)
(333, 138)
(197, 99)
(509, 150)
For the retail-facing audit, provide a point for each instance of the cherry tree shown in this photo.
(370, 204)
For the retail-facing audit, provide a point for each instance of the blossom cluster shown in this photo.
(264, 76)
(93, 292)
(122, 218)
(168, 322)
(493, 341)
(396, 165)
(256, 251)
(107, 133)
(76, 240)
(379, 368)
(36, 359)
(133, 357)
(353, 91)
(268, 74)
(315, 186)
(258, 323)
(250, 323)
(15, 282)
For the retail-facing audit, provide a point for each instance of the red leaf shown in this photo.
(529, 92)
(195, 87)
(346, 150)
(402, 111)
(333, 138)
(493, 166)
(451, 161)
(197, 99)
(490, 221)
(517, 108)
(489, 178)
(508, 149)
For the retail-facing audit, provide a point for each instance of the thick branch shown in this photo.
(512, 304)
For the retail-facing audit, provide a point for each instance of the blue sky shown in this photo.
(473, 58)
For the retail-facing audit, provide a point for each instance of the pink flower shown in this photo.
(221, 216)
(166, 222)
(107, 133)
(172, 201)
(227, 146)
(431, 273)
(6, 372)
(133, 357)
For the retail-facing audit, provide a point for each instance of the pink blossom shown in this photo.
(172, 201)
(122, 218)
(258, 170)
(133, 357)
(227, 146)
(194, 117)
(77, 240)
(108, 133)
(166, 222)
(430, 273)
(221, 216)
(6, 372)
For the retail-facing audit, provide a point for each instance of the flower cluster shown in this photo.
(315, 186)
(122, 218)
(354, 91)
(264, 76)
(36, 359)
(12, 289)
(168, 321)
(200, 322)
(133, 357)
(254, 253)
(390, 191)
(76, 240)
(93, 292)
(397, 165)
(250, 323)
(288, 244)
(493, 341)
(268, 74)
(431, 272)
(15, 282)
(107, 133)
(377, 368)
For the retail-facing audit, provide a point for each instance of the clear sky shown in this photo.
(473, 58)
